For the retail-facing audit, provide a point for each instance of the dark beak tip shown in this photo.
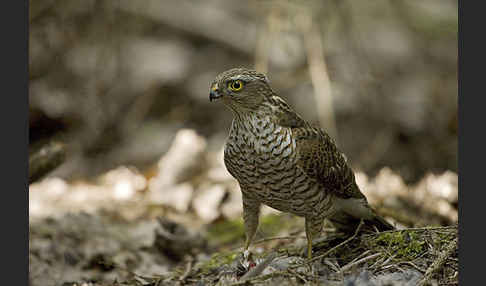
(213, 95)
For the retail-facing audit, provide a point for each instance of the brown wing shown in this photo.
(319, 157)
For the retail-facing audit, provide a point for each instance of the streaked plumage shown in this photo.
(282, 161)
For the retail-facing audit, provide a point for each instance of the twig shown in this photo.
(332, 249)
(265, 37)
(332, 265)
(361, 256)
(437, 264)
(187, 272)
(318, 73)
(381, 263)
(300, 276)
(384, 263)
(349, 265)
(413, 265)
(415, 229)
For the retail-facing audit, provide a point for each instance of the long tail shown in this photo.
(348, 223)
(381, 224)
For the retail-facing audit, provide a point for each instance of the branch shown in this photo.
(318, 73)
(45, 160)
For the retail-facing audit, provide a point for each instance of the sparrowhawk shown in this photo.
(282, 161)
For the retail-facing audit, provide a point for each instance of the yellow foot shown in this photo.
(247, 254)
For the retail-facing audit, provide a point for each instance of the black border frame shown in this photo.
(14, 124)
(15, 141)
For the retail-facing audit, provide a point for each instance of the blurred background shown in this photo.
(115, 80)
(123, 86)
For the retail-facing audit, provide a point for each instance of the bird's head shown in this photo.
(240, 89)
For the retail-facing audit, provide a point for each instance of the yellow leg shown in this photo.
(248, 241)
(313, 228)
(251, 211)
(309, 247)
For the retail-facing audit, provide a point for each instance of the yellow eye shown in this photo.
(235, 85)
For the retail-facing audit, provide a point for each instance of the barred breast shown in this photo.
(261, 156)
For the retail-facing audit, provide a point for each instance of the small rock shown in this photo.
(207, 202)
(184, 160)
(51, 187)
(387, 183)
(443, 186)
(179, 196)
(176, 241)
(125, 182)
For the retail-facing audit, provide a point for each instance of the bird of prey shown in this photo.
(282, 161)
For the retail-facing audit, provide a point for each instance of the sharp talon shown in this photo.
(246, 254)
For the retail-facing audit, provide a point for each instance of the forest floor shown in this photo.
(180, 223)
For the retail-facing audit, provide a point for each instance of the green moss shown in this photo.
(216, 261)
(401, 243)
(232, 231)
(272, 224)
(226, 232)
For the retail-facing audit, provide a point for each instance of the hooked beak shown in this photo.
(214, 93)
